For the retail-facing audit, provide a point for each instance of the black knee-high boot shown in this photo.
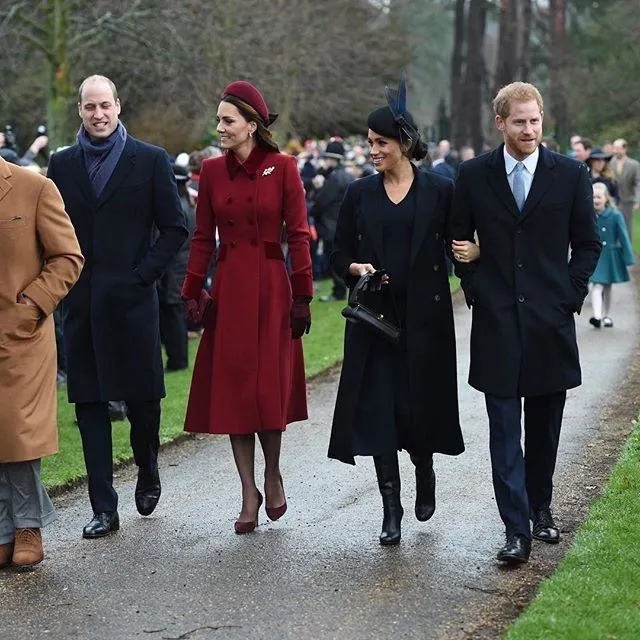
(425, 487)
(388, 474)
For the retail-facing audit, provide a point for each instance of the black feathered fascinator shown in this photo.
(397, 102)
(395, 121)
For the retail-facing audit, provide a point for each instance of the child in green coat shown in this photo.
(616, 256)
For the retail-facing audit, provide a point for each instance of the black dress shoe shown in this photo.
(102, 525)
(544, 528)
(148, 491)
(516, 550)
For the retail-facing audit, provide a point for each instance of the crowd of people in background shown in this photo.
(327, 167)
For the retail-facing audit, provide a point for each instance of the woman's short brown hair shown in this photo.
(263, 135)
(520, 91)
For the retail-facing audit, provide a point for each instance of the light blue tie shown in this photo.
(518, 186)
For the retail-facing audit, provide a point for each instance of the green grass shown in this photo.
(595, 593)
(322, 349)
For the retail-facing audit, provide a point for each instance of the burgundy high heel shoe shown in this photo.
(275, 513)
(241, 526)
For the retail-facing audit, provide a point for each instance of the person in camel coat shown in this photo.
(40, 260)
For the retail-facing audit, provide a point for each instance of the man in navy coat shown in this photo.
(532, 211)
(122, 198)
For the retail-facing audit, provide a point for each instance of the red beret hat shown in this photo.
(246, 92)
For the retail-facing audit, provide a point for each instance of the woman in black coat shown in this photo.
(398, 396)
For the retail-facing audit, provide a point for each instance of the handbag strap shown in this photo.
(359, 288)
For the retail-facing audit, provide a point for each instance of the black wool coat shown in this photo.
(170, 284)
(526, 286)
(430, 334)
(128, 236)
(326, 205)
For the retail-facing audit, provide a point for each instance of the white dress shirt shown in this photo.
(530, 163)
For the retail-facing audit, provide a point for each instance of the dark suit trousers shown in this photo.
(95, 430)
(173, 333)
(523, 483)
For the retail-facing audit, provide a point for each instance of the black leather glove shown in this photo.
(374, 281)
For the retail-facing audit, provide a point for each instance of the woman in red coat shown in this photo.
(249, 371)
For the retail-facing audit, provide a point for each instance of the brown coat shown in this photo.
(40, 258)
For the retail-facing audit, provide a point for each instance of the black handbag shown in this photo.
(359, 313)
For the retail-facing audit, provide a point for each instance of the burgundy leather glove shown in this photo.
(300, 317)
(197, 309)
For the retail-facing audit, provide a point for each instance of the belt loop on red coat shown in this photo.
(272, 250)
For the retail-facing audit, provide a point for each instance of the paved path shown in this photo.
(319, 572)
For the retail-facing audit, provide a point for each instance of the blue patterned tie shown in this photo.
(518, 185)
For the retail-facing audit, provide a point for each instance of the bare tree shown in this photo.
(475, 74)
(557, 61)
(322, 65)
(458, 130)
(525, 53)
(59, 33)
(508, 58)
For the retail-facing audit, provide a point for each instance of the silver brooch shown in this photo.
(268, 171)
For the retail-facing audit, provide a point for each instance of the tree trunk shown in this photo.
(475, 76)
(526, 19)
(557, 89)
(507, 62)
(458, 130)
(60, 91)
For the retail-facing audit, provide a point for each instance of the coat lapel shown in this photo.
(80, 172)
(543, 178)
(5, 173)
(123, 169)
(372, 221)
(497, 178)
(426, 200)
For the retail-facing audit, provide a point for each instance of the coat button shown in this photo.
(437, 297)
(359, 237)
(254, 243)
(233, 244)
(229, 199)
(250, 199)
(250, 220)
(519, 232)
(604, 243)
(437, 236)
(604, 228)
(231, 223)
(520, 298)
(436, 267)
(519, 264)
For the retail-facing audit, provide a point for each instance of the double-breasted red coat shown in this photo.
(249, 372)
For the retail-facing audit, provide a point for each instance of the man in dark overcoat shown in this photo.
(532, 211)
(121, 196)
(173, 317)
(326, 207)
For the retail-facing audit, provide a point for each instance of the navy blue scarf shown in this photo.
(101, 156)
